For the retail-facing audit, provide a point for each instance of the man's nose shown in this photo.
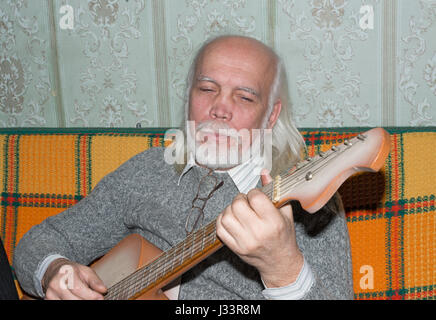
(221, 108)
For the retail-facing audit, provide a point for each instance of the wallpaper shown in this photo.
(123, 63)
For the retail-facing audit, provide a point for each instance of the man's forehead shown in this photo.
(234, 43)
(245, 56)
(240, 48)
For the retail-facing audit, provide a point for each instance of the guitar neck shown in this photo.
(170, 264)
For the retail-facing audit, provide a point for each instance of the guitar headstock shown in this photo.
(314, 180)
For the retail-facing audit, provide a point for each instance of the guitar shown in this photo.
(136, 269)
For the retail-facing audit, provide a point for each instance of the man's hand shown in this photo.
(67, 280)
(263, 236)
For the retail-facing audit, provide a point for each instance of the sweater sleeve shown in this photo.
(329, 256)
(294, 291)
(81, 233)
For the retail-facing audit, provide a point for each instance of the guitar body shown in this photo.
(129, 255)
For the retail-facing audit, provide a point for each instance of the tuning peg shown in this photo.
(361, 137)
(309, 176)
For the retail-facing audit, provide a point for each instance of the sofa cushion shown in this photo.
(390, 214)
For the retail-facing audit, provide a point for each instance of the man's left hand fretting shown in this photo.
(263, 236)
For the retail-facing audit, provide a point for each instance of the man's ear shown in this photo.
(274, 114)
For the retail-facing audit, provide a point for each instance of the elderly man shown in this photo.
(235, 83)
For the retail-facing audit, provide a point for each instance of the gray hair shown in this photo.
(287, 142)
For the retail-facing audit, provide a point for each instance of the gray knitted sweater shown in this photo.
(143, 196)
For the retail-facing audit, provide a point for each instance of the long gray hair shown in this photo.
(287, 143)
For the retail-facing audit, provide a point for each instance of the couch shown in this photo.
(390, 214)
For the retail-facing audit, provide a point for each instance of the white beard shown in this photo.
(229, 150)
(223, 152)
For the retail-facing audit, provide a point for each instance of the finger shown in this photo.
(287, 212)
(224, 235)
(98, 286)
(71, 282)
(239, 209)
(51, 295)
(243, 212)
(229, 219)
(265, 177)
(94, 281)
(83, 291)
(67, 294)
(240, 196)
(260, 203)
(60, 285)
(250, 221)
(92, 286)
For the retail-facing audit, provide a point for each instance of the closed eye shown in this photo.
(206, 89)
(247, 99)
(248, 94)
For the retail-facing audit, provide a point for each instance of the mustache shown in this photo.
(215, 127)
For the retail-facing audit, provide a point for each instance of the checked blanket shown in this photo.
(390, 214)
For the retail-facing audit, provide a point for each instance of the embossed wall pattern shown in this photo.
(117, 63)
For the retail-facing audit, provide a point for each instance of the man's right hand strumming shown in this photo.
(67, 280)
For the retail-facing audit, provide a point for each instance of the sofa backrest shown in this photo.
(390, 214)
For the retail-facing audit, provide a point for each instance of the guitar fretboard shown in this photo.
(166, 264)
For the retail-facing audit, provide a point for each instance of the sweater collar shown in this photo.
(245, 176)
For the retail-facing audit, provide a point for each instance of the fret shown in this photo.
(214, 235)
(122, 294)
(154, 276)
(192, 245)
(202, 239)
(163, 263)
(181, 248)
(176, 255)
(183, 253)
(172, 260)
(147, 277)
(147, 280)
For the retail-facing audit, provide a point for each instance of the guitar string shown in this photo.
(126, 283)
(161, 263)
(155, 264)
(299, 173)
(294, 178)
(313, 167)
(159, 271)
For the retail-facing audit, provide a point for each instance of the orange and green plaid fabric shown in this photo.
(390, 214)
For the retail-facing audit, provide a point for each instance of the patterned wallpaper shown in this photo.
(116, 63)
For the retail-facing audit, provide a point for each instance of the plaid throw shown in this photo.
(390, 214)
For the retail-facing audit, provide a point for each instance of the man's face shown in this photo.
(231, 89)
